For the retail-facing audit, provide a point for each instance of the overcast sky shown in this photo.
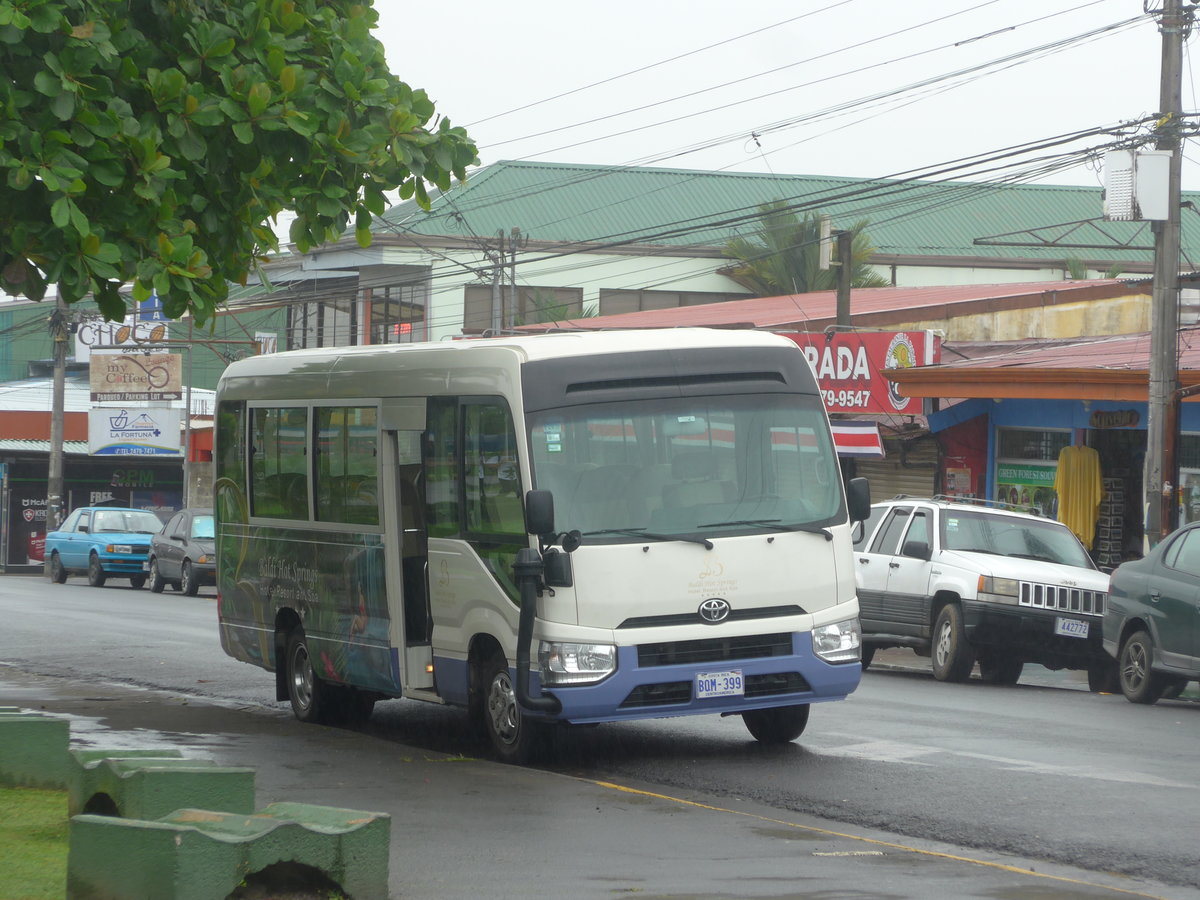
(866, 88)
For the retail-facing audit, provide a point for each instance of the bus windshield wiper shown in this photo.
(638, 532)
(774, 523)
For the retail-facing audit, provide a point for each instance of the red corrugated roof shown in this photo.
(878, 307)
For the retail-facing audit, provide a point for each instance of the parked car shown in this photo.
(966, 582)
(102, 542)
(1152, 625)
(183, 554)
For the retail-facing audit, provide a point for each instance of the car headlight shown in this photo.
(569, 663)
(119, 548)
(202, 559)
(839, 642)
(999, 590)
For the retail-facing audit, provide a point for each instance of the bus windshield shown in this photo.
(687, 466)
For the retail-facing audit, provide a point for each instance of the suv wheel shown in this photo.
(952, 657)
(1000, 669)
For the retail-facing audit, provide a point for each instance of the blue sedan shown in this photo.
(102, 541)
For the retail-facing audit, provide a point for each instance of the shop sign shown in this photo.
(1114, 418)
(132, 333)
(848, 365)
(130, 431)
(1025, 486)
(125, 377)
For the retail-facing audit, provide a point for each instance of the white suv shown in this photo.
(963, 582)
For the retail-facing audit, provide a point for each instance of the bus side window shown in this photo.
(492, 483)
(279, 485)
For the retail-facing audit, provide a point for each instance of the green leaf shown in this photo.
(243, 132)
(60, 212)
(47, 83)
(258, 99)
(63, 106)
(110, 303)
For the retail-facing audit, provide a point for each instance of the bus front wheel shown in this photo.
(309, 695)
(778, 725)
(514, 736)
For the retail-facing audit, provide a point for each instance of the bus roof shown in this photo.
(526, 347)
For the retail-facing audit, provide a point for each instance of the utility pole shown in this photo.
(497, 284)
(514, 306)
(1159, 481)
(60, 335)
(845, 251)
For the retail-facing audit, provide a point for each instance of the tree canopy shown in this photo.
(153, 142)
(783, 255)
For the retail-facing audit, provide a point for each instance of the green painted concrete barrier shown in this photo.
(33, 749)
(196, 854)
(148, 784)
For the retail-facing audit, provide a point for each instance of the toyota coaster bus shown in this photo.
(561, 528)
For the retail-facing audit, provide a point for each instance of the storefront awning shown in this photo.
(857, 439)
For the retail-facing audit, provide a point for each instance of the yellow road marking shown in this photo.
(866, 840)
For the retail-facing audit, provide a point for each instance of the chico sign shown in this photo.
(847, 365)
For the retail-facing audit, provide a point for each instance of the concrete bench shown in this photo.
(197, 854)
(148, 784)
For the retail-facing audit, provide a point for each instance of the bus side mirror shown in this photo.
(539, 512)
(858, 499)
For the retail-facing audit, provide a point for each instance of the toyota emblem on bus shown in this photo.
(714, 610)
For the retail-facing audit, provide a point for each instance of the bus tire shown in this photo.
(778, 725)
(309, 695)
(515, 738)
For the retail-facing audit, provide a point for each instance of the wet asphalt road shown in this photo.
(678, 808)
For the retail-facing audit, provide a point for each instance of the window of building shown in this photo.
(613, 302)
(535, 304)
(396, 313)
(1022, 443)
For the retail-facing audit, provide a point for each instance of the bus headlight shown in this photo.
(563, 663)
(838, 642)
(998, 590)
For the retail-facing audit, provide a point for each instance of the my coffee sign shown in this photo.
(124, 377)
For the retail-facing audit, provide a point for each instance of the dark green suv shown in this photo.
(1152, 624)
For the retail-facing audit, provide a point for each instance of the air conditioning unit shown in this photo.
(1136, 185)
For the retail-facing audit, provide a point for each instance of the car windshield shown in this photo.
(126, 520)
(689, 467)
(202, 528)
(984, 532)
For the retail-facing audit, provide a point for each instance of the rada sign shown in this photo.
(847, 365)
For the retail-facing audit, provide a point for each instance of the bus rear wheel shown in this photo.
(311, 698)
(778, 725)
(515, 738)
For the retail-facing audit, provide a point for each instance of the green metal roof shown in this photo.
(617, 204)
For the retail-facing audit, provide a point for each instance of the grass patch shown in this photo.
(33, 844)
